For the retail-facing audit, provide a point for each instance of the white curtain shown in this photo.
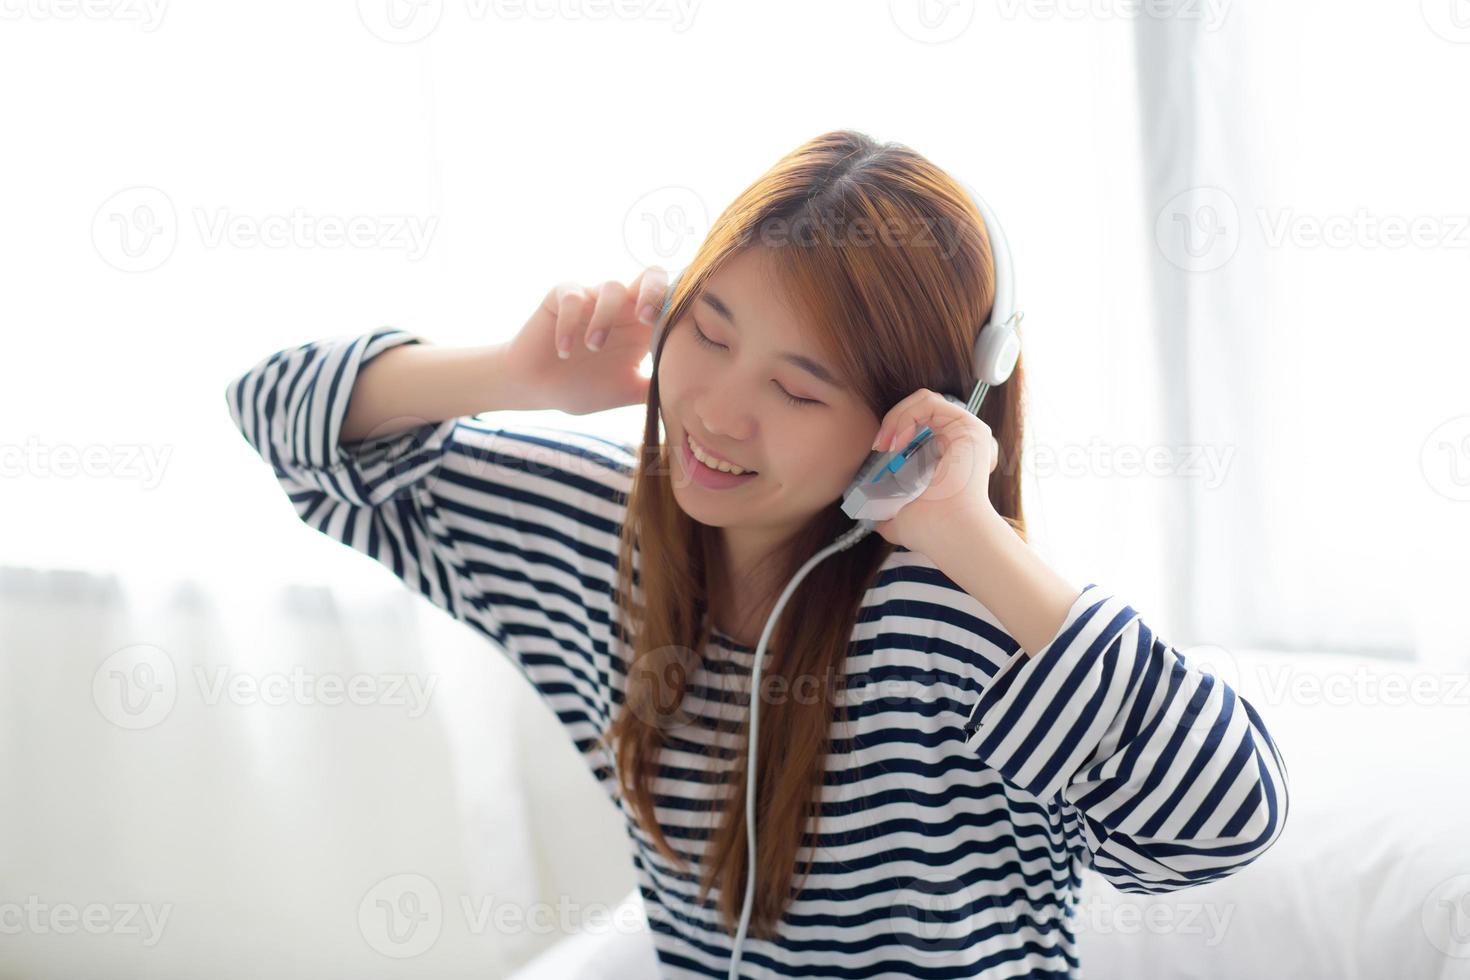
(233, 781)
(1306, 186)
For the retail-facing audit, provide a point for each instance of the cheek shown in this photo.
(835, 462)
(673, 369)
(812, 458)
(836, 457)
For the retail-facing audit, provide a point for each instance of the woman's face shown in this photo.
(726, 380)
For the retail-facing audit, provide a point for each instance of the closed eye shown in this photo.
(790, 398)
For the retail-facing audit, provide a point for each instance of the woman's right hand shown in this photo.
(580, 318)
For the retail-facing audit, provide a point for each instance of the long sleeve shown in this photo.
(513, 531)
(1173, 773)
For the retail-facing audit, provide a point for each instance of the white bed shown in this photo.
(268, 833)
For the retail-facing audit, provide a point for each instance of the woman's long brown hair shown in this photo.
(886, 258)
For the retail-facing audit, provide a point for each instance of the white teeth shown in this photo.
(709, 461)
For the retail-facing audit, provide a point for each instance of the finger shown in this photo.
(961, 449)
(902, 419)
(957, 470)
(610, 299)
(892, 421)
(893, 425)
(652, 287)
(916, 411)
(571, 315)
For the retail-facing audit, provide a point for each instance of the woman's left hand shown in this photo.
(968, 454)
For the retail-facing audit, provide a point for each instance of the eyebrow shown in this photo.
(800, 360)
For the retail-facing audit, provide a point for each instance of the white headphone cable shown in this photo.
(846, 540)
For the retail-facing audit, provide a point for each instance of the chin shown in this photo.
(704, 515)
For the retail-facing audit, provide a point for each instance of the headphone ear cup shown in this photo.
(996, 351)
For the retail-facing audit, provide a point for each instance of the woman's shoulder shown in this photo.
(913, 607)
(606, 450)
(561, 460)
(537, 491)
(910, 579)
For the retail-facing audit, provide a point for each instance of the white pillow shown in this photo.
(621, 951)
(1370, 877)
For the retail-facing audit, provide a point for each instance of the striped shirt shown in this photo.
(967, 785)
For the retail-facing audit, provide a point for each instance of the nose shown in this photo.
(723, 412)
(724, 425)
(723, 416)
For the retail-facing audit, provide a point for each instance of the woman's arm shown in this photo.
(409, 386)
(1175, 776)
(987, 558)
(512, 529)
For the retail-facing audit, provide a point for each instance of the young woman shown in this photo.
(949, 731)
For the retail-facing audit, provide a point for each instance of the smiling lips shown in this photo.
(712, 461)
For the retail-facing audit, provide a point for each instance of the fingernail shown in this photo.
(647, 313)
(564, 347)
(594, 342)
